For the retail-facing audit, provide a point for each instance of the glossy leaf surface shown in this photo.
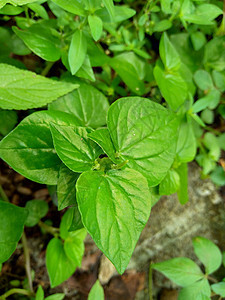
(66, 191)
(181, 270)
(96, 292)
(74, 148)
(77, 51)
(138, 128)
(12, 219)
(208, 253)
(115, 208)
(20, 89)
(86, 103)
(29, 150)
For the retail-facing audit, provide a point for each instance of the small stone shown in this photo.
(24, 190)
(106, 270)
(41, 194)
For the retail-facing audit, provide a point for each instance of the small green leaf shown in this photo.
(41, 41)
(77, 51)
(115, 208)
(170, 183)
(72, 6)
(76, 221)
(110, 7)
(219, 79)
(198, 40)
(12, 219)
(204, 14)
(203, 80)
(182, 192)
(86, 70)
(210, 141)
(87, 104)
(199, 290)
(181, 270)
(57, 296)
(214, 54)
(130, 68)
(74, 148)
(96, 292)
(186, 144)
(162, 25)
(20, 89)
(172, 86)
(66, 191)
(208, 253)
(96, 26)
(211, 100)
(73, 240)
(39, 293)
(168, 53)
(37, 209)
(219, 288)
(33, 136)
(59, 266)
(138, 127)
(103, 139)
(218, 176)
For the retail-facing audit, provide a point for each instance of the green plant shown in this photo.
(109, 158)
(187, 274)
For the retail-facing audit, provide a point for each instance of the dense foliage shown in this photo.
(135, 92)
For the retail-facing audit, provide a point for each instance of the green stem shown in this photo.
(52, 230)
(212, 279)
(27, 261)
(150, 282)
(47, 68)
(15, 291)
(3, 195)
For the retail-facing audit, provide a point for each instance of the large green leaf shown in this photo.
(66, 191)
(77, 51)
(12, 219)
(15, 2)
(8, 120)
(74, 148)
(29, 150)
(208, 253)
(20, 89)
(88, 104)
(59, 266)
(181, 270)
(199, 290)
(96, 292)
(72, 6)
(41, 41)
(138, 128)
(115, 208)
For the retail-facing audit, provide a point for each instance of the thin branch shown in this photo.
(15, 291)
(27, 261)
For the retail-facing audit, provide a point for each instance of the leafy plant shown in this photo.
(187, 274)
(136, 92)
